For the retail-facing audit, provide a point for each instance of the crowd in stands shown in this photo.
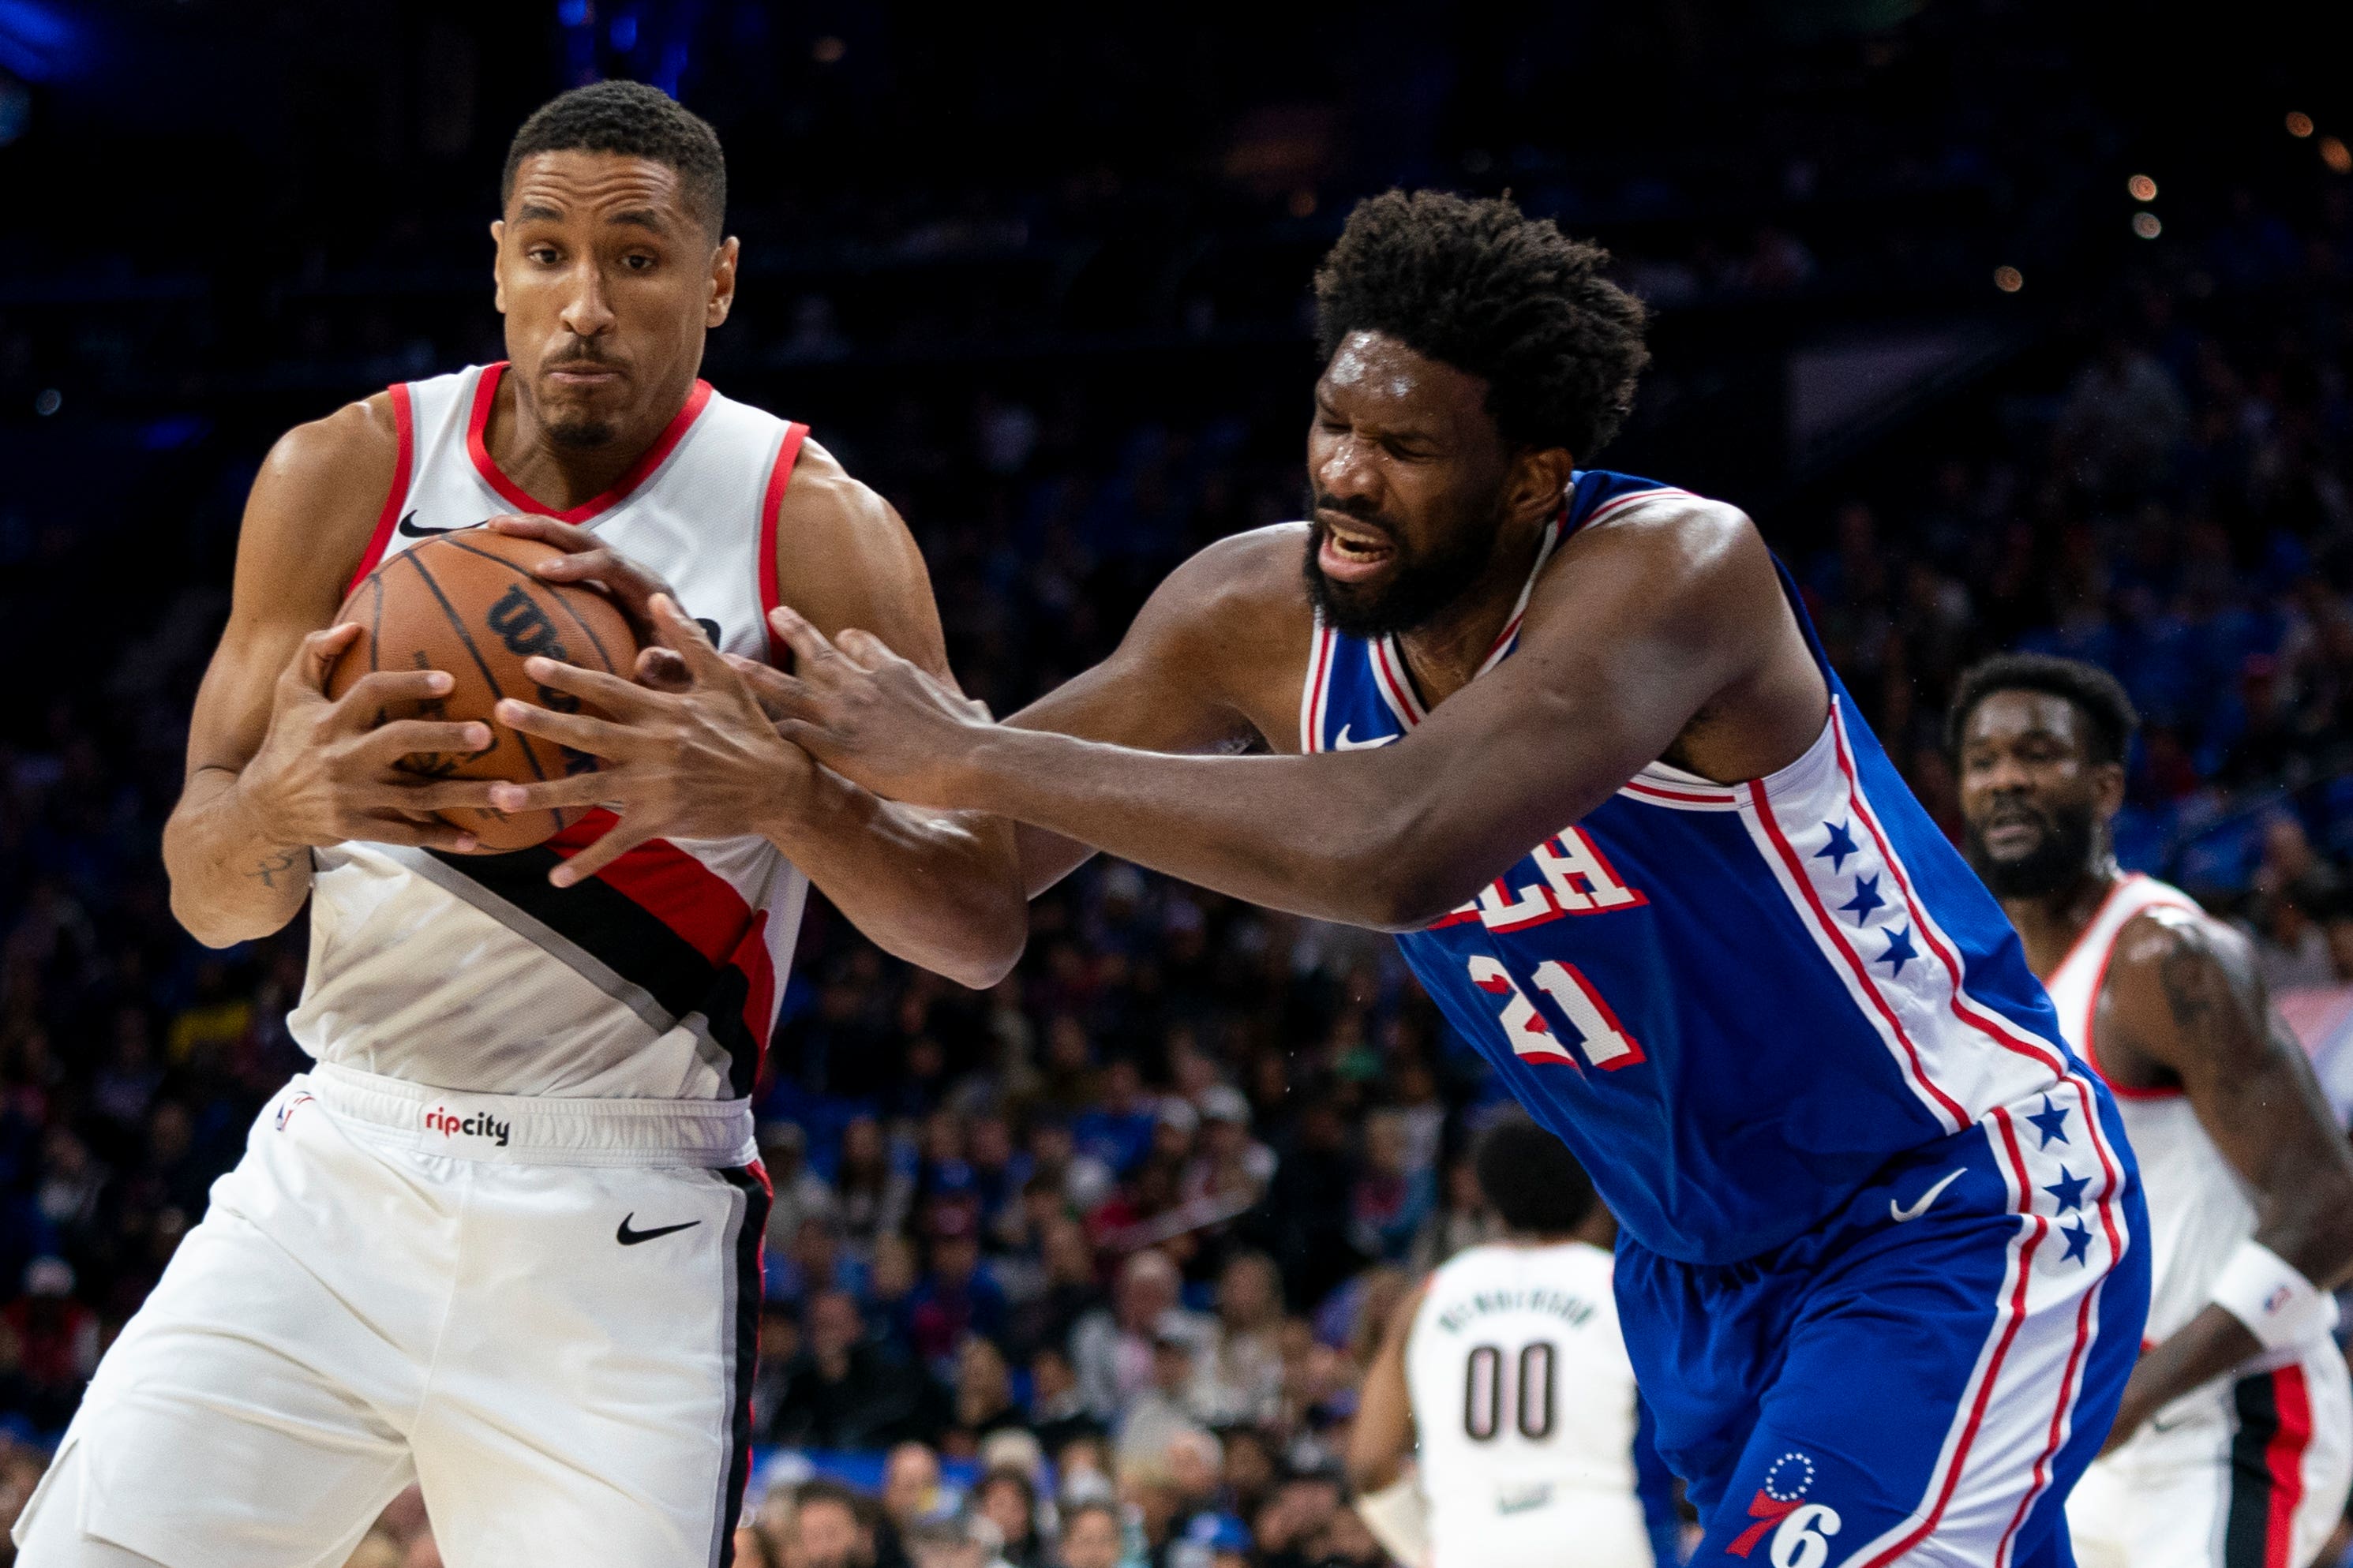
(1083, 1270)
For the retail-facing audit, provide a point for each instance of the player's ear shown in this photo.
(2108, 782)
(1540, 477)
(723, 282)
(498, 270)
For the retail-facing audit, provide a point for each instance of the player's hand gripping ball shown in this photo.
(470, 604)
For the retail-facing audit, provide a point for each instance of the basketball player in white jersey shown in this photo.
(2235, 1444)
(1506, 1375)
(503, 1239)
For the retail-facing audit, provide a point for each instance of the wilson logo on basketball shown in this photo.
(518, 621)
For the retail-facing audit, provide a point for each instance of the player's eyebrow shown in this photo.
(640, 217)
(532, 212)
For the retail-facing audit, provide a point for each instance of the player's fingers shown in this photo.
(547, 530)
(622, 699)
(685, 636)
(574, 789)
(410, 793)
(407, 736)
(370, 694)
(776, 693)
(864, 649)
(617, 841)
(578, 730)
(663, 670)
(317, 655)
(389, 828)
(810, 648)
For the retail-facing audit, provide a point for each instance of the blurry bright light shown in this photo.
(2008, 279)
(828, 50)
(2334, 153)
(2299, 124)
(574, 13)
(2142, 187)
(1303, 202)
(2146, 226)
(625, 31)
(49, 401)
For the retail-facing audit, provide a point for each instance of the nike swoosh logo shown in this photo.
(1341, 742)
(1900, 1214)
(411, 528)
(628, 1237)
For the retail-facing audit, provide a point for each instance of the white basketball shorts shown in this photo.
(542, 1310)
(2246, 1472)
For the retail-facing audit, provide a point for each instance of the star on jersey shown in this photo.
(1866, 898)
(2068, 1189)
(2079, 1243)
(1841, 846)
(2052, 1122)
(1900, 951)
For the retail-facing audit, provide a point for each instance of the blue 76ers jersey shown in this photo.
(1734, 1002)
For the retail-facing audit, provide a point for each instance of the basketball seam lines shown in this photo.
(466, 637)
(585, 630)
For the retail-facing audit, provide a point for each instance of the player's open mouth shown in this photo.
(1351, 553)
(2013, 834)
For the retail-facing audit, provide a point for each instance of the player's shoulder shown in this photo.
(824, 495)
(2177, 970)
(1245, 576)
(353, 450)
(1671, 527)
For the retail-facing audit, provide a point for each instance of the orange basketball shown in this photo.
(470, 605)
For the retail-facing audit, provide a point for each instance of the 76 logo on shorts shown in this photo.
(1801, 1531)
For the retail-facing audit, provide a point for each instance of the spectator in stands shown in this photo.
(830, 1527)
(1112, 1349)
(1241, 1379)
(1153, 1417)
(1092, 1535)
(848, 1391)
(910, 1492)
(983, 1403)
(1058, 1410)
(1010, 1502)
(1390, 1197)
(801, 1195)
(957, 1297)
(1118, 1127)
(57, 1341)
(874, 1186)
(1461, 1219)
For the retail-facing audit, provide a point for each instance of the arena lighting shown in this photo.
(828, 50)
(2145, 224)
(2142, 187)
(49, 402)
(2335, 153)
(2008, 279)
(2299, 124)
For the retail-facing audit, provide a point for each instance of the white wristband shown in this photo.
(1399, 1517)
(2279, 1306)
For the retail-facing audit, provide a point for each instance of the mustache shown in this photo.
(582, 353)
(1357, 511)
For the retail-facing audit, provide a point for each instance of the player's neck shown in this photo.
(557, 475)
(2049, 925)
(1444, 652)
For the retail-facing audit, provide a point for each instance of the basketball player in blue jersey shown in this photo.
(1569, 734)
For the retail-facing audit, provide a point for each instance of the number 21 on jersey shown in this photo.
(1591, 1025)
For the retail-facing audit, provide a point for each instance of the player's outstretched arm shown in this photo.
(1381, 1441)
(691, 753)
(273, 766)
(2183, 993)
(1644, 621)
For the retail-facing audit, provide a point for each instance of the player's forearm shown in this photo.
(2205, 1348)
(1338, 838)
(231, 881)
(939, 891)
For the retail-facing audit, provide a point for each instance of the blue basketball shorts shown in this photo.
(1921, 1378)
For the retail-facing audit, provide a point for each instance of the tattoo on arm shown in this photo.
(271, 867)
(2190, 975)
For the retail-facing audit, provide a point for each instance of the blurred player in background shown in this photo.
(1568, 733)
(1505, 1378)
(2234, 1448)
(503, 1239)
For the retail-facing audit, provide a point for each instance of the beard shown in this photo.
(581, 432)
(1418, 586)
(581, 429)
(2061, 855)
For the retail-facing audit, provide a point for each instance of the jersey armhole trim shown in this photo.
(1311, 699)
(404, 423)
(780, 474)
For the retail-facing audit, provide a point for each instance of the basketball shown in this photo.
(472, 607)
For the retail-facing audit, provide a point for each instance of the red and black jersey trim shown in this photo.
(659, 919)
(752, 1181)
(2274, 1415)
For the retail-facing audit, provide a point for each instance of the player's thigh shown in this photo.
(1933, 1407)
(589, 1402)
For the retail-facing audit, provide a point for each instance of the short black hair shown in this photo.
(1530, 1178)
(636, 121)
(1479, 285)
(2110, 720)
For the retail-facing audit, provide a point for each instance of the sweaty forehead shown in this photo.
(1372, 377)
(575, 184)
(2005, 717)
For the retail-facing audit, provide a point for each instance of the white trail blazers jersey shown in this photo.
(1524, 1409)
(2199, 1209)
(659, 977)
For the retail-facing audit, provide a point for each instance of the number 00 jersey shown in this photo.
(1734, 1002)
(1525, 1410)
(657, 978)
